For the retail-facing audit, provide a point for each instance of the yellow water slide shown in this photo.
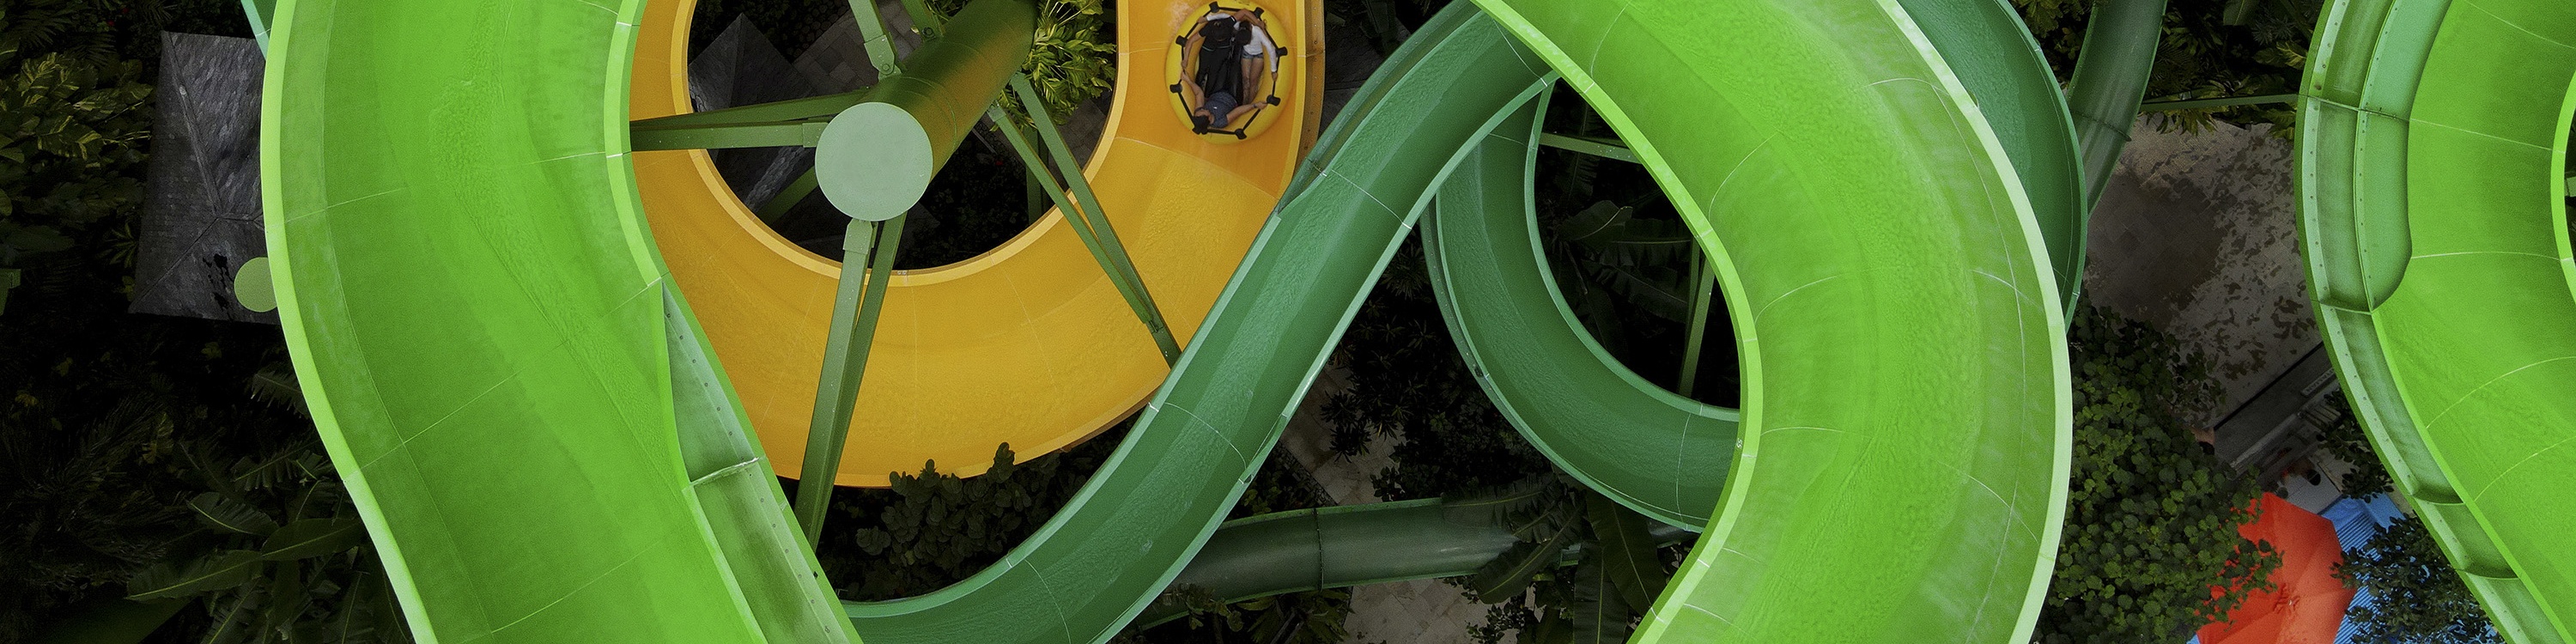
(1028, 344)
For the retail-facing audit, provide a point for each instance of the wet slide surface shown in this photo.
(536, 443)
(1028, 344)
(2433, 217)
(1907, 413)
(1658, 453)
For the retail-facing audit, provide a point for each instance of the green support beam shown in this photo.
(261, 13)
(872, 34)
(806, 133)
(845, 359)
(873, 160)
(814, 107)
(924, 21)
(1113, 261)
(877, 157)
(2213, 103)
(1596, 146)
(787, 198)
(1703, 294)
(1111, 250)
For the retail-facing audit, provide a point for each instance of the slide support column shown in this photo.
(845, 360)
(1082, 209)
(1703, 292)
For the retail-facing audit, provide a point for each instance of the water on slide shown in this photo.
(2433, 219)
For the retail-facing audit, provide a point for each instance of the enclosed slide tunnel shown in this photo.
(545, 448)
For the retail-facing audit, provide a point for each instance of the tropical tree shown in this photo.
(2151, 519)
(2416, 597)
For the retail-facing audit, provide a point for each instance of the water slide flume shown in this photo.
(490, 349)
(2432, 147)
(539, 447)
(1661, 454)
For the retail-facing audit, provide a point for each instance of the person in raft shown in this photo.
(1232, 48)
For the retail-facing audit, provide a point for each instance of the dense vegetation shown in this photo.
(144, 455)
(2151, 519)
(2211, 49)
(2418, 597)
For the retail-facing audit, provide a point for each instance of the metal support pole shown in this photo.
(1037, 197)
(1592, 145)
(715, 137)
(2211, 103)
(1704, 293)
(872, 32)
(788, 197)
(812, 107)
(1109, 251)
(924, 21)
(1113, 262)
(261, 13)
(845, 359)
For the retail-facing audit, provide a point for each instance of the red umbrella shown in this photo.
(2308, 605)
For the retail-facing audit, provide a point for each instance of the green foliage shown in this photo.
(2418, 598)
(2204, 54)
(1625, 262)
(932, 529)
(2151, 520)
(134, 463)
(1075, 57)
(2340, 435)
(1409, 385)
(1314, 617)
(71, 149)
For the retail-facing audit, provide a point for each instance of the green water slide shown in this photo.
(539, 444)
(1156, 500)
(1907, 408)
(544, 450)
(2432, 151)
(1659, 453)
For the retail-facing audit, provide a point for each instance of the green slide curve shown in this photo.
(539, 445)
(1156, 500)
(543, 451)
(1658, 453)
(2432, 213)
(1907, 409)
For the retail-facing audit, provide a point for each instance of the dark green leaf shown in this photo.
(286, 600)
(213, 572)
(233, 618)
(1628, 557)
(313, 538)
(221, 513)
(1511, 572)
(1598, 615)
